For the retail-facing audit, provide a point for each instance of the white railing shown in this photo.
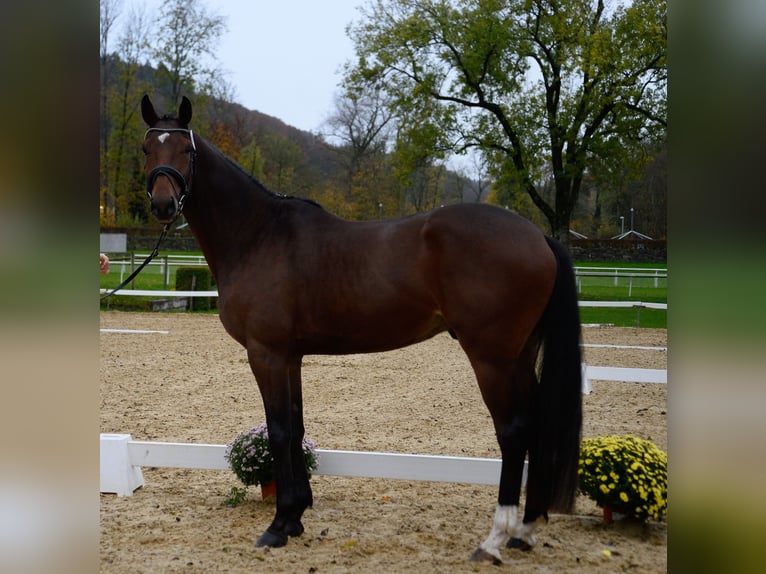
(650, 273)
(214, 293)
(641, 304)
(161, 293)
(122, 457)
(643, 276)
(160, 264)
(164, 263)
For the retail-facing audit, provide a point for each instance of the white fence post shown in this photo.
(117, 474)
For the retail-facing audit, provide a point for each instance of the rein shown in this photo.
(171, 173)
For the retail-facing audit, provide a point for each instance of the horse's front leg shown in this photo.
(279, 381)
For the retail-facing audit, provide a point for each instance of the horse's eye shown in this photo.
(189, 149)
(143, 149)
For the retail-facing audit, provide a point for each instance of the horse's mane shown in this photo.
(259, 184)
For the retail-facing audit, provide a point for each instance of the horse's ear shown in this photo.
(185, 111)
(147, 111)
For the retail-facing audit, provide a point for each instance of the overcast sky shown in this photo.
(283, 57)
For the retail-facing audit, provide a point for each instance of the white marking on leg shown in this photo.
(163, 137)
(504, 525)
(526, 530)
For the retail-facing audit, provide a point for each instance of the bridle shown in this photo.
(172, 173)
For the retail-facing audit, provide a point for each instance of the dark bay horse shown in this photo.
(294, 280)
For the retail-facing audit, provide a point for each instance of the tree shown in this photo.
(109, 12)
(644, 195)
(123, 160)
(121, 87)
(185, 53)
(251, 159)
(360, 125)
(282, 161)
(544, 88)
(474, 182)
(187, 39)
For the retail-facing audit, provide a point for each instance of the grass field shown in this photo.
(644, 289)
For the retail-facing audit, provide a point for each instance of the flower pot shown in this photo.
(611, 515)
(269, 489)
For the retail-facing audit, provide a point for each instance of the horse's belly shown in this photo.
(383, 333)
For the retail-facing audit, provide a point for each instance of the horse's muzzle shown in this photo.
(164, 209)
(166, 206)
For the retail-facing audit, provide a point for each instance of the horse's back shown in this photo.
(483, 228)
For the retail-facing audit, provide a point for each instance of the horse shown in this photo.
(295, 280)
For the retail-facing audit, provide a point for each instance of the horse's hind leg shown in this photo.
(280, 384)
(507, 389)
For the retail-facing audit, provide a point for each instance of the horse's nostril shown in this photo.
(163, 211)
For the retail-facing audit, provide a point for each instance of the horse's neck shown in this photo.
(227, 210)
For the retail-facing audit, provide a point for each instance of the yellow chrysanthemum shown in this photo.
(624, 472)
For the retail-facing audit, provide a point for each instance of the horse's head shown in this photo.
(170, 155)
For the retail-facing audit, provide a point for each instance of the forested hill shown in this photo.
(229, 125)
(359, 184)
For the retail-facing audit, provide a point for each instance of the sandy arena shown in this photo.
(193, 384)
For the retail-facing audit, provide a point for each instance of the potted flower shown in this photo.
(625, 474)
(249, 456)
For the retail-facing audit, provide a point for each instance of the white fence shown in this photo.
(616, 276)
(654, 277)
(214, 293)
(122, 457)
(162, 264)
(617, 273)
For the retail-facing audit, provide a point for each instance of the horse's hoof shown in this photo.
(481, 555)
(520, 544)
(271, 540)
(294, 529)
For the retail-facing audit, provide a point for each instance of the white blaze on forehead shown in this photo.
(163, 137)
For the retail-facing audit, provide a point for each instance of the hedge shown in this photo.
(202, 280)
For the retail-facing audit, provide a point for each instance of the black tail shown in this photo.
(555, 451)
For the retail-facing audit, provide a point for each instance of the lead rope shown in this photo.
(152, 255)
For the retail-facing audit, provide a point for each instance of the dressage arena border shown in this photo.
(214, 293)
(122, 457)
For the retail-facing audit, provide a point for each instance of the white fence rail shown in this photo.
(122, 457)
(162, 264)
(641, 304)
(623, 272)
(616, 276)
(214, 293)
(656, 277)
(161, 293)
(580, 271)
(659, 376)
